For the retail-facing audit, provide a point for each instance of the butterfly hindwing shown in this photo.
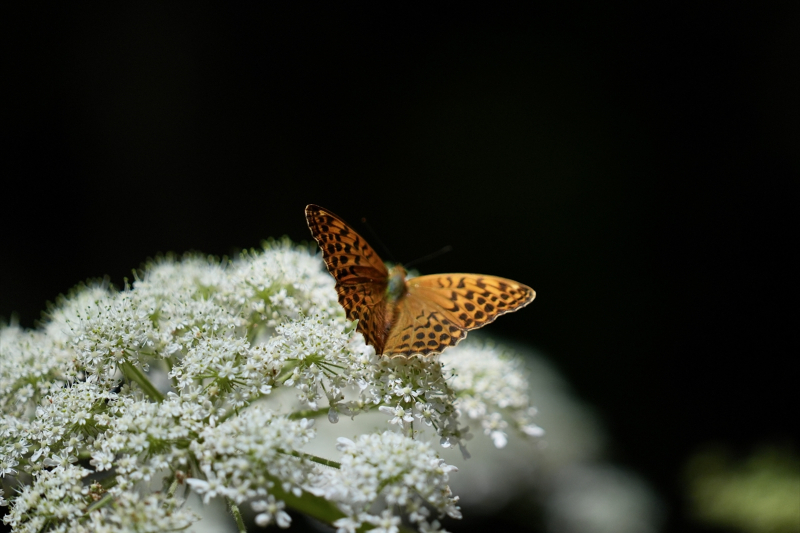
(421, 327)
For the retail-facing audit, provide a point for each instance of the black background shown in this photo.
(635, 165)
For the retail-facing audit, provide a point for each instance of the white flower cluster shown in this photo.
(322, 358)
(490, 384)
(123, 399)
(405, 472)
(245, 456)
(56, 501)
(121, 331)
(38, 366)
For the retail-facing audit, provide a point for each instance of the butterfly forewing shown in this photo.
(347, 255)
(472, 300)
(361, 277)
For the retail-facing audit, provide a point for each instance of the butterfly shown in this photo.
(407, 317)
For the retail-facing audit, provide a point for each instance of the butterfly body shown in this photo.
(400, 317)
(396, 287)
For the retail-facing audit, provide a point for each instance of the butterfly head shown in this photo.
(396, 287)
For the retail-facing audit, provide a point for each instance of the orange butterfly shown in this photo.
(399, 317)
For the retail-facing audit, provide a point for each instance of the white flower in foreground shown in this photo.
(400, 416)
(488, 384)
(271, 511)
(406, 473)
(125, 401)
(385, 523)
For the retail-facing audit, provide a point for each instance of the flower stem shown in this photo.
(136, 375)
(307, 503)
(315, 506)
(308, 413)
(237, 515)
(102, 502)
(314, 458)
(173, 487)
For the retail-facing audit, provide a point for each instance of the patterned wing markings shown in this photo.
(361, 277)
(438, 310)
(347, 255)
(422, 328)
(427, 315)
(366, 303)
(472, 300)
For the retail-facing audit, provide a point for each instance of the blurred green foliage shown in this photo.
(759, 494)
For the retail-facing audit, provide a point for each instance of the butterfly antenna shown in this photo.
(378, 239)
(437, 253)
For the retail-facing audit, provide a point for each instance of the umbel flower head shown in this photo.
(125, 401)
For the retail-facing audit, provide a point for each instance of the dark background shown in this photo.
(636, 166)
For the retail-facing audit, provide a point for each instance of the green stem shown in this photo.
(108, 482)
(174, 380)
(307, 503)
(237, 515)
(288, 370)
(173, 487)
(316, 507)
(136, 375)
(313, 413)
(102, 502)
(308, 413)
(314, 458)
